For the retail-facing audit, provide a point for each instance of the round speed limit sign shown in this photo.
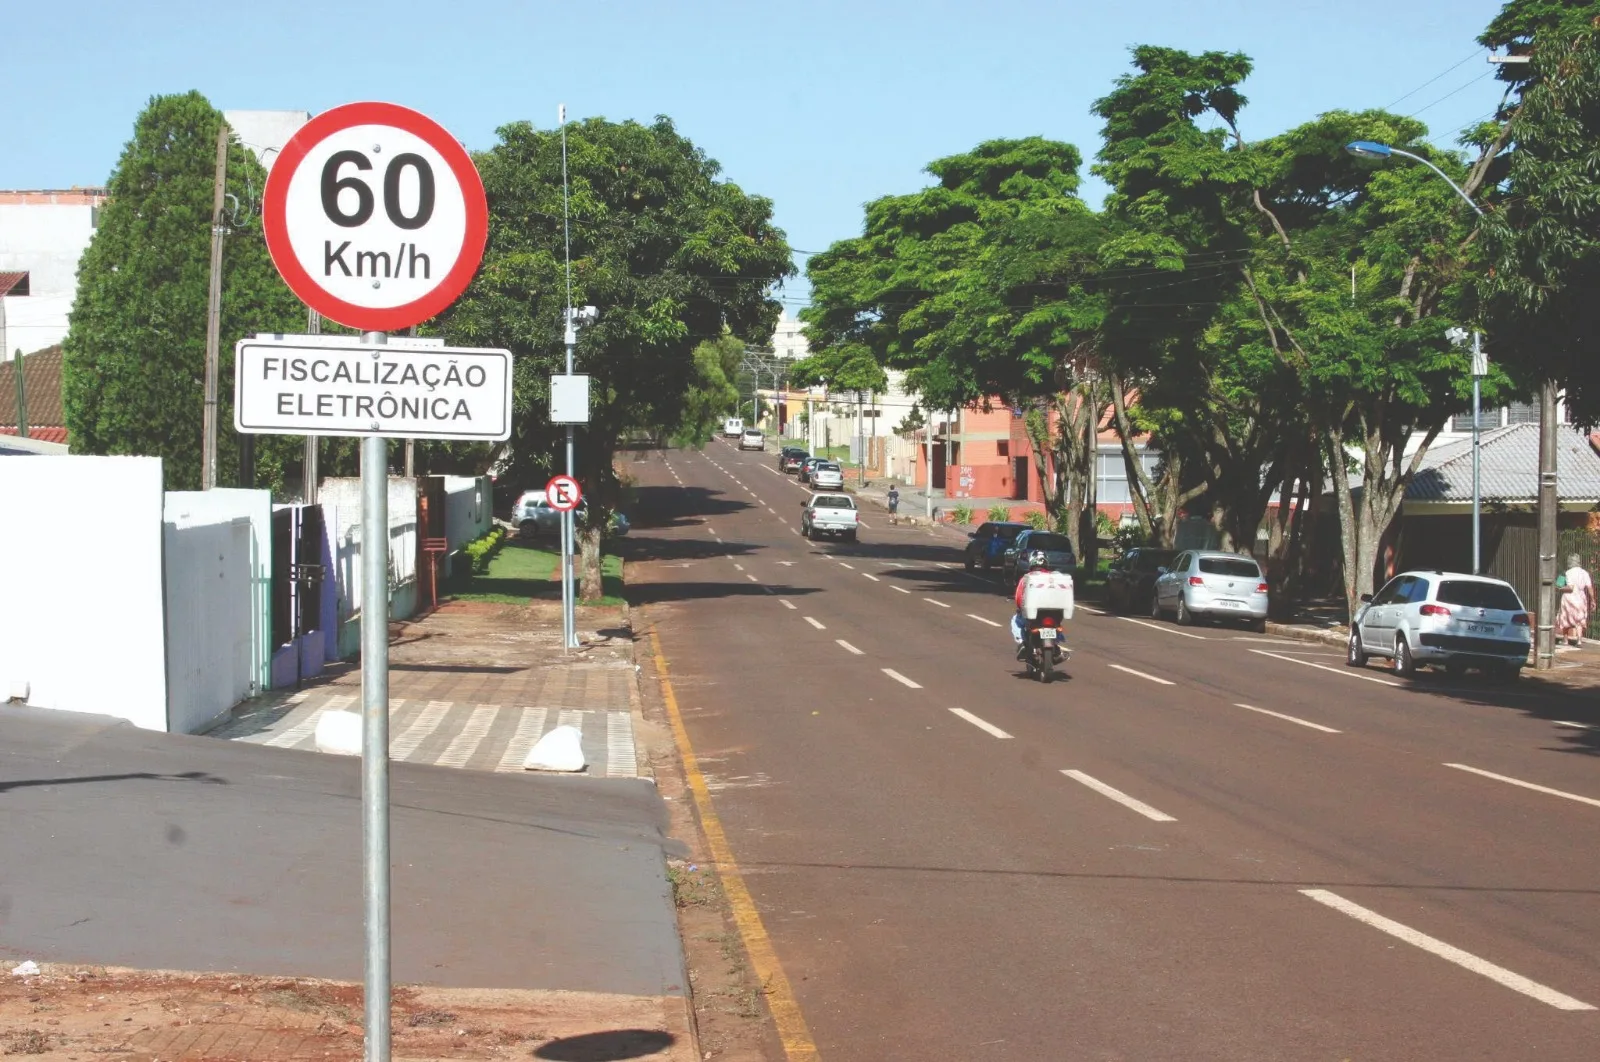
(375, 216)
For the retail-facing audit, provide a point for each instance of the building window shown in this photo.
(1002, 448)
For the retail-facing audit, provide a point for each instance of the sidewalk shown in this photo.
(474, 685)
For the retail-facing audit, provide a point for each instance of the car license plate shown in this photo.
(1230, 603)
(1483, 628)
(1047, 634)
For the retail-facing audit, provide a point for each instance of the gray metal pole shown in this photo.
(1544, 648)
(208, 444)
(570, 616)
(309, 471)
(22, 393)
(375, 731)
(927, 490)
(1477, 395)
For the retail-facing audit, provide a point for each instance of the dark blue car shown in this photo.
(989, 543)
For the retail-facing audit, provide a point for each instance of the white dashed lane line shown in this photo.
(1141, 674)
(892, 673)
(902, 589)
(1591, 801)
(980, 723)
(869, 575)
(1433, 946)
(1346, 672)
(815, 624)
(1163, 630)
(980, 619)
(847, 647)
(1288, 718)
(932, 601)
(786, 603)
(1119, 796)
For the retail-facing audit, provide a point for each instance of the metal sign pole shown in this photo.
(375, 729)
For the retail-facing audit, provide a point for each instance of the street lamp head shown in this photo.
(1369, 149)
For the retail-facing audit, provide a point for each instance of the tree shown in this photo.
(133, 379)
(1543, 244)
(670, 255)
(712, 392)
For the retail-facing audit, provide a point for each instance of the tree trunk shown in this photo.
(591, 582)
(1036, 422)
(1140, 487)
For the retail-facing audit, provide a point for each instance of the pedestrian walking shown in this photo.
(1577, 601)
(894, 499)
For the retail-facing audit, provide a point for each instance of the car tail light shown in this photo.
(1434, 610)
(1195, 580)
(1261, 588)
(1520, 619)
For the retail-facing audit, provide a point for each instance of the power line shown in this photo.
(1447, 95)
(1471, 56)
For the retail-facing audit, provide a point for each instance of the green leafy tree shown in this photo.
(712, 391)
(133, 380)
(670, 255)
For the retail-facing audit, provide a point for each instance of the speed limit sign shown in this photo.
(375, 216)
(563, 493)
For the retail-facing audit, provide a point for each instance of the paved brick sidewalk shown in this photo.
(475, 686)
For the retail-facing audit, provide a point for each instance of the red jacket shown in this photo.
(1021, 585)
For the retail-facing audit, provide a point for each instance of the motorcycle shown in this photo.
(1045, 644)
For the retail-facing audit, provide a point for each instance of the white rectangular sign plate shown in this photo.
(569, 399)
(304, 386)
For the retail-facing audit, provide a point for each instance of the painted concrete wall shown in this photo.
(341, 508)
(44, 234)
(209, 593)
(468, 514)
(83, 626)
(190, 508)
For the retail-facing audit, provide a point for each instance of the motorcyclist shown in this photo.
(1037, 561)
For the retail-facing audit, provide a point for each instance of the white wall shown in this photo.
(265, 132)
(190, 508)
(341, 509)
(209, 595)
(43, 234)
(82, 620)
(467, 512)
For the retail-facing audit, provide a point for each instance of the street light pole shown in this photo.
(1480, 368)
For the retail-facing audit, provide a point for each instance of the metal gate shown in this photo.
(297, 572)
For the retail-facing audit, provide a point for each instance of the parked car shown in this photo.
(1057, 550)
(753, 439)
(535, 517)
(989, 541)
(732, 428)
(829, 514)
(790, 457)
(803, 473)
(1210, 584)
(1132, 578)
(1443, 619)
(826, 475)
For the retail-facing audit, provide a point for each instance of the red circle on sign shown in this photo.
(563, 493)
(274, 218)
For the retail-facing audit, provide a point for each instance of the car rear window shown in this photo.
(827, 468)
(1473, 594)
(1008, 533)
(1149, 562)
(1237, 567)
(1050, 543)
(835, 502)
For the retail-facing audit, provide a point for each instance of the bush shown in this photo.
(962, 514)
(1103, 527)
(999, 513)
(1037, 520)
(483, 548)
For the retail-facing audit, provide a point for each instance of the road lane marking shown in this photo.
(1526, 785)
(711, 529)
(1096, 611)
(864, 524)
(774, 471)
(1119, 796)
(848, 647)
(892, 673)
(869, 575)
(931, 601)
(980, 619)
(842, 564)
(529, 727)
(1163, 630)
(786, 603)
(902, 589)
(981, 724)
(1141, 674)
(752, 578)
(1466, 960)
(787, 564)
(1324, 667)
(781, 1002)
(1289, 718)
(738, 567)
(1575, 726)
(815, 624)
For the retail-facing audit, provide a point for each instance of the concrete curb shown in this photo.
(1307, 634)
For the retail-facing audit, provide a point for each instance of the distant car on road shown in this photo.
(1056, 548)
(753, 439)
(1132, 578)
(829, 514)
(806, 465)
(1209, 583)
(1443, 619)
(732, 428)
(989, 541)
(826, 475)
(790, 457)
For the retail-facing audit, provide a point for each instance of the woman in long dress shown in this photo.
(1577, 602)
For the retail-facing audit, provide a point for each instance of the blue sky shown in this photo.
(820, 106)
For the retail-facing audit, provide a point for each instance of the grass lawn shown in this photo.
(522, 572)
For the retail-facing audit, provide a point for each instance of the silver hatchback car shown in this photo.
(1209, 583)
(1443, 619)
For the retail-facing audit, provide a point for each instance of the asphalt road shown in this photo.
(1138, 862)
(130, 848)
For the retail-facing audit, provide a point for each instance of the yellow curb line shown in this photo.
(792, 1031)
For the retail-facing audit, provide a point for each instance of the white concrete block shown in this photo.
(559, 750)
(339, 733)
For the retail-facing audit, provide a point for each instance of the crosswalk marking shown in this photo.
(620, 759)
(403, 746)
(529, 727)
(466, 743)
(308, 726)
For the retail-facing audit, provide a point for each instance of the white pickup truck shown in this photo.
(829, 514)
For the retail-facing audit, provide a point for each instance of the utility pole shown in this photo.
(208, 456)
(22, 392)
(309, 471)
(861, 443)
(1549, 500)
(1480, 368)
